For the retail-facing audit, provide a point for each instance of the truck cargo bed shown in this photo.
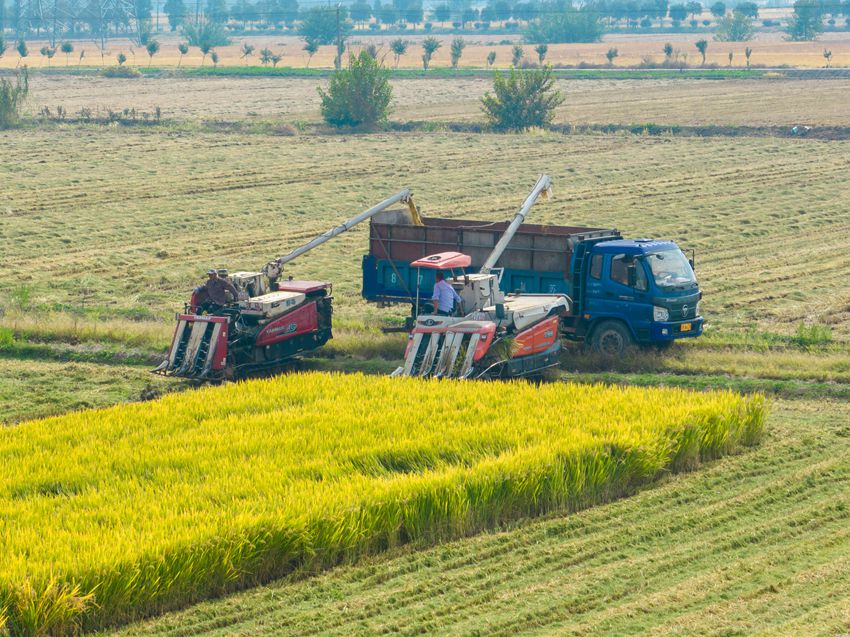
(537, 260)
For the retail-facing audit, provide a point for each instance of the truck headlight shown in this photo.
(660, 313)
(699, 308)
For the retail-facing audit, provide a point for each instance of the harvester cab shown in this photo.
(271, 320)
(492, 334)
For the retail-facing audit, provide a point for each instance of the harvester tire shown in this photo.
(611, 339)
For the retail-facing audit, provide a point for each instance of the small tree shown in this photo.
(702, 47)
(152, 47)
(12, 96)
(80, 59)
(121, 59)
(266, 56)
(491, 58)
(22, 50)
(442, 13)
(67, 48)
(48, 52)
(358, 96)
(611, 55)
(2, 39)
(718, 9)
(205, 48)
(399, 48)
(214, 58)
(311, 47)
(430, 46)
(827, 55)
(325, 26)
(458, 45)
(183, 48)
(668, 50)
(730, 58)
(517, 54)
(276, 58)
(678, 12)
(747, 53)
(522, 99)
(807, 21)
(736, 27)
(247, 51)
(205, 34)
(541, 50)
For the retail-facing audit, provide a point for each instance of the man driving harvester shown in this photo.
(214, 291)
(445, 296)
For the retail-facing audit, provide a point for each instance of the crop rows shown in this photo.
(116, 513)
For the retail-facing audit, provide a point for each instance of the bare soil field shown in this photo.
(128, 221)
(664, 101)
(769, 49)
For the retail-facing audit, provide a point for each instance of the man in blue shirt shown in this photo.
(444, 297)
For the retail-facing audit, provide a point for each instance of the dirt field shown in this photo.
(769, 49)
(664, 101)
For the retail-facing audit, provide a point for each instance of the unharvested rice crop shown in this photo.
(114, 513)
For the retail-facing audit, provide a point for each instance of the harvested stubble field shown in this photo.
(769, 49)
(129, 221)
(754, 544)
(659, 101)
(204, 491)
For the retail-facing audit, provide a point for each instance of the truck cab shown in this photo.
(637, 291)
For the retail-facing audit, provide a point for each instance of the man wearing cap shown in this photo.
(216, 289)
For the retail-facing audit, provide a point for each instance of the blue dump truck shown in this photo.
(622, 291)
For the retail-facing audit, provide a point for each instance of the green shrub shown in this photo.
(522, 99)
(120, 71)
(358, 96)
(12, 96)
(815, 334)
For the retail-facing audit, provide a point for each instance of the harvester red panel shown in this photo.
(299, 321)
(537, 338)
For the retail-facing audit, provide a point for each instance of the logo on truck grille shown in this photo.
(684, 310)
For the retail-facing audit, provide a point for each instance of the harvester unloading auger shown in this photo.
(270, 322)
(498, 335)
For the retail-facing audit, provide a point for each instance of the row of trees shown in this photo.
(555, 20)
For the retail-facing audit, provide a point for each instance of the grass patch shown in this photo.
(199, 493)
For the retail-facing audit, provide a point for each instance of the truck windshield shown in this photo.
(671, 270)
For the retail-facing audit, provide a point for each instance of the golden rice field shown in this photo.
(201, 492)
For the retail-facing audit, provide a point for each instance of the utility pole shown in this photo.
(338, 60)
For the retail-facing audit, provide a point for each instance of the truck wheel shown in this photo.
(611, 338)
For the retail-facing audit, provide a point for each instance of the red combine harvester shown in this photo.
(270, 322)
(494, 335)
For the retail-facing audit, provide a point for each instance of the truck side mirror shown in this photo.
(691, 262)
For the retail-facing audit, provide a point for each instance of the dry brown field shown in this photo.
(769, 49)
(663, 101)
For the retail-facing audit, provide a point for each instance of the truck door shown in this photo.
(623, 292)
(630, 286)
